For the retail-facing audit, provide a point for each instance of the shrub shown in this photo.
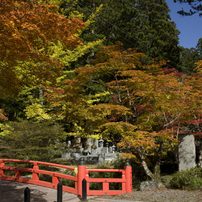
(29, 140)
(189, 179)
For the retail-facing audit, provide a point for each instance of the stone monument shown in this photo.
(186, 152)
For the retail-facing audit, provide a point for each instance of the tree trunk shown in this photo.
(146, 169)
(157, 163)
(144, 164)
(41, 95)
(157, 172)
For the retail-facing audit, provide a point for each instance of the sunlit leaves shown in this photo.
(35, 112)
(27, 27)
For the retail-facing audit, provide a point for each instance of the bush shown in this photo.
(27, 140)
(189, 179)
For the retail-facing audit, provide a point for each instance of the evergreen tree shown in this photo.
(142, 24)
(156, 34)
(196, 7)
(199, 48)
(188, 58)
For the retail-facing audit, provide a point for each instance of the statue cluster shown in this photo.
(92, 150)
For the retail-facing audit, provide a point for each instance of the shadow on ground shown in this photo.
(14, 192)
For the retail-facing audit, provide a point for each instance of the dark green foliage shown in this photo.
(189, 56)
(30, 140)
(13, 108)
(156, 34)
(141, 24)
(110, 23)
(195, 7)
(199, 49)
(189, 179)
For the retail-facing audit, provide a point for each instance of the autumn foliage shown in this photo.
(137, 103)
(27, 30)
(143, 105)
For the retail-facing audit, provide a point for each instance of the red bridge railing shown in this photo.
(81, 173)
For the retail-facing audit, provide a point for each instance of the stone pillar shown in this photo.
(101, 142)
(186, 152)
(113, 148)
(105, 148)
(110, 149)
(96, 143)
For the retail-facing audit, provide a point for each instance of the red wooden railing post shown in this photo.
(55, 181)
(17, 174)
(2, 172)
(128, 175)
(81, 175)
(35, 176)
(105, 187)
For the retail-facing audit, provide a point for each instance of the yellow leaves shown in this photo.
(36, 112)
(93, 16)
(6, 130)
(66, 56)
(96, 97)
(110, 109)
(199, 66)
(29, 26)
(125, 156)
(12, 24)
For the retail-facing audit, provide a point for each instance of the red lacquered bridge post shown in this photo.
(2, 172)
(35, 175)
(81, 175)
(128, 175)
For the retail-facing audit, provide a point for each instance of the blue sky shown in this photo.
(189, 26)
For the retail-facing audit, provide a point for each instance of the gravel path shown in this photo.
(162, 195)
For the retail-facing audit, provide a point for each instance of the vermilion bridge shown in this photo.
(80, 173)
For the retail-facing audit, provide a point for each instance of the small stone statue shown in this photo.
(68, 144)
(101, 142)
(77, 146)
(88, 145)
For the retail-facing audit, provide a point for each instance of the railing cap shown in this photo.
(82, 162)
(127, 164)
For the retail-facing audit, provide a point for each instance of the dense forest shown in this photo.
(112, 69)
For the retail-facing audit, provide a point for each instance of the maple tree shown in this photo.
(132, 104)
(27, 30)
(144, 106)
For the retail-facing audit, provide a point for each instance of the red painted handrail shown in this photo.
(35, 174)
(125, 180)
(83, 172)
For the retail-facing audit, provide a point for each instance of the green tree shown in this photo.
(195, 7)
(199, 48)
(156, 34)
(145, 25)
(31, 140)
(188, 58)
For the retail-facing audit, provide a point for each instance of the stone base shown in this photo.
(148, 185)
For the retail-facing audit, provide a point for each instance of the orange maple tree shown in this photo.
(120, 98)
(27, 30)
